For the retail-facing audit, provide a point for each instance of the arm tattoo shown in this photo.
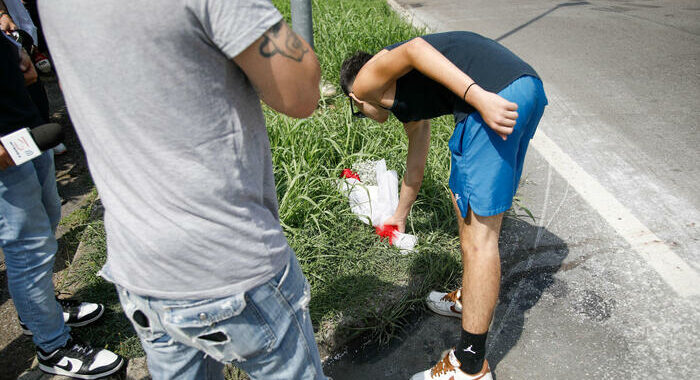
(282, 40)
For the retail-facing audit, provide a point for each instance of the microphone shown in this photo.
(47, 136)
(26, 144)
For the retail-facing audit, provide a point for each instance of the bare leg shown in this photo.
(481, 280)
(478, 237)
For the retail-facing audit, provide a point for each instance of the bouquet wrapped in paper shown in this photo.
(375, 200)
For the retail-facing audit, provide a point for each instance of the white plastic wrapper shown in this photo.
(376, 203)
(404, 242)
(359, 196)
(387, 194)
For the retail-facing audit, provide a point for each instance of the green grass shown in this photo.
(72, 226)
(360, 285)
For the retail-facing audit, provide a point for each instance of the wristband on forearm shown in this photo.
(464, 97)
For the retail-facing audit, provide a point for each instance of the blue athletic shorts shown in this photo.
(485, 169)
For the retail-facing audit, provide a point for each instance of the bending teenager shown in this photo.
(497, 101)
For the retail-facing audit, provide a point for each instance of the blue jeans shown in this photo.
(30, 210)
(265, 331)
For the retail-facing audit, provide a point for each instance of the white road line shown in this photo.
(673, 270)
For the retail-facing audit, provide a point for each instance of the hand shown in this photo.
(397, 221)
(497, 112)
(27, 68)
(7, 25)
(5, 160)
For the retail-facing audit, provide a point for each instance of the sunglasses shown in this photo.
(356, 114)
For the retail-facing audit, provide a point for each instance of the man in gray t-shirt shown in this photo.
(165, 97)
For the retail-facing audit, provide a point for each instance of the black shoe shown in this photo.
(75, 313)
(78, 360)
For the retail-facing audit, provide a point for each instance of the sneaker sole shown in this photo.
(81, 324)
(442, 312)
(61, 372)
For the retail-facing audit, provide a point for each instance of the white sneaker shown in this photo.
(448, 369)
(80, 361)
(448, 304)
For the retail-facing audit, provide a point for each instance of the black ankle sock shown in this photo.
(471, 351)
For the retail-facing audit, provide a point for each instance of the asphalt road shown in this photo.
(605, 283)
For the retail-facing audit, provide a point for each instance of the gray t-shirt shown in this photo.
(175, 140)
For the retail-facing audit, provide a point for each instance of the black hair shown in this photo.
(350, 68)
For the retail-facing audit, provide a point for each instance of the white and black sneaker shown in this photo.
(75, 313)
(78, 360)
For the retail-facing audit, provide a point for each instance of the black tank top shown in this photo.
(489, 63)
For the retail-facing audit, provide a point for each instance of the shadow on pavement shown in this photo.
(17, 356)
(73, 177)
(518, 28)
(530, 256)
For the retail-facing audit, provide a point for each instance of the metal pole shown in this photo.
(302, 22)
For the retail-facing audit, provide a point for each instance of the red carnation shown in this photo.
(347, 173)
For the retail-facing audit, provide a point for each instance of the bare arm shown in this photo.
(377, 76)
(418, 133)
(284, 70)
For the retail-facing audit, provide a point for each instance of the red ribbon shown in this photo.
(386, 231)
(347, 173)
